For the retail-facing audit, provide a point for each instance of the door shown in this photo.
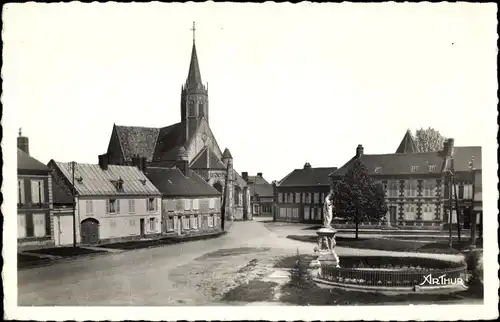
(393, 215)
(65, 230)
(142, 227)
(90, 231)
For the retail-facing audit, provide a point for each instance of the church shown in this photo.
(162, 147)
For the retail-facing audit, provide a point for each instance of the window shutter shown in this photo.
(47, 225)
(42, 191)
(117, 206)
(156, 204)
(107, 206)
(34, 192)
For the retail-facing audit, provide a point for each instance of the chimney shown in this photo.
(359, 151)
(23, 143)
(136, 161)
(307, 165)
(103, 161)
(259, 174)
(142, 163)
(182, 162)
(450, 143)
(244, 175)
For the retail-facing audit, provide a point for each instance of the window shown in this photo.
(194, 222)
(185, 222)
(89, 207)
(131, 206)
(21, 226)
(461, 191)
(151, 204)
(256, 209)
(377, 169)
(297, 197)
(210, 221)
(191, 109)
(280, 197)
(176, 222)
(187, 204)
(432, 167)
(37, 193)
(113, 206)
(414, 168)
(131, 222)
(201, 111)
(20, 191)
(428, 188)
(39, 225)
(211, 203)
(316, 197)
(411, 188)
(393, 190)
(170, 224)
(152, 224)
(196, 204)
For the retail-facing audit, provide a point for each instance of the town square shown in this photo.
(307, 174)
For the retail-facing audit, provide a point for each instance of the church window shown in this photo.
(191, 109)
(201, 111)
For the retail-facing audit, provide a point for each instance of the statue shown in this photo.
(328, 211)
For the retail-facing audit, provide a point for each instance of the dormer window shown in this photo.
(378, 169)
(79, 180)
(118, 184)
(414, 168)
(432, 167)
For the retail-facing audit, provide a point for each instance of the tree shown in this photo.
(428, 140)
(299, 275)
(357, 197)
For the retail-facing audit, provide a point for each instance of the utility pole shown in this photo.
(472, 212)
(457, 209)
(223, 210)
(73, 165)
(450, 211)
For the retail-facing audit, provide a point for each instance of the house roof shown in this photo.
(463, 155)
(27, 163)
(172, 182)
(308, 177)
(61, 193)
(98, 182)
(207, 159)
(257, 180)
(408, 144)
(398, 163)
(263, 190)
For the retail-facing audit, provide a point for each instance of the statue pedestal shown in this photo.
(326, 247)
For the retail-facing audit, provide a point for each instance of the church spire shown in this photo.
(408, 144)
(194, 76)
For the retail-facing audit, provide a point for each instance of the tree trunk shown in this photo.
(356, 223)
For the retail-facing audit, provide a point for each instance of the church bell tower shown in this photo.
(194, 96)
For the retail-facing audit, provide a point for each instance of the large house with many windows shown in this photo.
(34, 200)
(301, 194)
(190, 205)
(112, 202)
(261, 194)
(417, 184)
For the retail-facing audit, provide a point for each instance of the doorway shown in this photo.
(90, 231)
(393, 215)
(141, 225)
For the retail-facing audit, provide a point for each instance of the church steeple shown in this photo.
(194, 95)
(408, 144)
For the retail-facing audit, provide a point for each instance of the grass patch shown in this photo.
(290, 261)
(315, 295)
(234, 252)
(253, 291)
(24, 260)
(66, 251)
(385, 244)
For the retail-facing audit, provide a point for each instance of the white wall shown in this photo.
(124, 223)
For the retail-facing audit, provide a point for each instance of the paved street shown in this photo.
(193, 273)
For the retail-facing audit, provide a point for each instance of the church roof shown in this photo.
(307, 177)
(194, 74)
(137, 140)
(207, 159)
(26, 163)
(408, 144)
(226, 154)
(173, 183)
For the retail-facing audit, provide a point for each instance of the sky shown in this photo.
(288, 84)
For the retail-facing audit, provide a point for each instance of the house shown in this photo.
(34, 200)
(189, 204)
(301, 194)
(261, 194)
(416, 183)
(112, 203)
(160, 146)
(63, 214)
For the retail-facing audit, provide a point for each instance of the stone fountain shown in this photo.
(325, 249)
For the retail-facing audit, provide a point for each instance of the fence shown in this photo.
(388, 278)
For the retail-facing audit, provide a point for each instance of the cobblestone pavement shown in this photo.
(193, 273)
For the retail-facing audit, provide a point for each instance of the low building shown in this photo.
(34, 200)
(190, 205)
(261, 194)
(416, 183)
(63, 214)
(301, 194)
(112, 202)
